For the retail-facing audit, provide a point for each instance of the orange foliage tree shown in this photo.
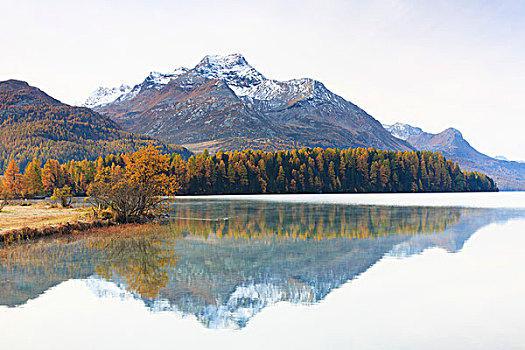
(134, 192)
(12, 182)
(52, 176)
(32, 179)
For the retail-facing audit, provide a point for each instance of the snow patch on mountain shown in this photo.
(229, 68)
(235, 71)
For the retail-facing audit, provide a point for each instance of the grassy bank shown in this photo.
(14, 217)
(27, 233)
(20, 223)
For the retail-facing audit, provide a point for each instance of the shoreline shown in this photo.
(22, 223)
(23, 214)
(26, 234)
(25, 224)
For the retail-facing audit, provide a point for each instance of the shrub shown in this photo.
(63, 196)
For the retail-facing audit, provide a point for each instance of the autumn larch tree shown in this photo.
(12, 182)
(134, 192)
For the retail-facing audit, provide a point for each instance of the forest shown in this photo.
(33, 124)
(257, 172)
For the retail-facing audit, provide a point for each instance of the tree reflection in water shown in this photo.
(142, 259)
(224, 261)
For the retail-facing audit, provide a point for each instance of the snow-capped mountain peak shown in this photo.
(104, 95)
(228, 66)
(403, 131)
(246, 81)
(158, 79)
(234, 70)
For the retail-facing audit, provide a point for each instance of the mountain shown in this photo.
(509, 175)
(224, 103)
(33, 124)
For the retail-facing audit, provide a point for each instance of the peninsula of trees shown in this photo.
(252, 172)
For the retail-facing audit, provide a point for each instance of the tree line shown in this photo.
(320, 170)
(305, 170)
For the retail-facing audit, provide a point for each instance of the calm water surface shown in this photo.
(300, 272)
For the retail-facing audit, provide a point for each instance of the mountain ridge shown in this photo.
(199, 107)
(509, 175)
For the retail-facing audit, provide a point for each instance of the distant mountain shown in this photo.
(403, 131)
(33, 124)
(224, 103)
(509, 175)
(102, 95)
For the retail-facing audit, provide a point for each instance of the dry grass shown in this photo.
(37, 215)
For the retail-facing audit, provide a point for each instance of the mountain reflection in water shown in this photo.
(223, 261)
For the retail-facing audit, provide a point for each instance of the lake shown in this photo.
(366, 271)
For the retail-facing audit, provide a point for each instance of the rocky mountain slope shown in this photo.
(33, 124)
(224, 103)
(508, 175)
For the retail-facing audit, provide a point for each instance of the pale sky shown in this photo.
(432, 64)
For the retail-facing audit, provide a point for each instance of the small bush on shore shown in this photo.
(62, 196)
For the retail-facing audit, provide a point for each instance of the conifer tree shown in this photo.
(12, 184)
(32, 180)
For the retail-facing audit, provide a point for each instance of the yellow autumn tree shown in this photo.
(32, 179)
(52, 176)
(136, 192)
